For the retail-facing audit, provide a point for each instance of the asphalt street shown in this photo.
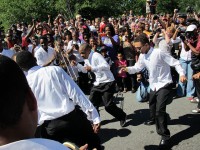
(183, 125)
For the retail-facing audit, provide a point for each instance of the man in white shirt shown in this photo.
(45, 55)
(57, 96)
(5, 51)
(104, 86)
(19, 113)
(158, 65)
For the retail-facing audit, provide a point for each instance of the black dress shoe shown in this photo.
(164, 145)
(123, 121)
(149, 122)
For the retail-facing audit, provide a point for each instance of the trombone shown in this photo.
(66, 61)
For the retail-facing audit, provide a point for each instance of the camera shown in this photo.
(189, 9)
(158, 30)
(182, 29)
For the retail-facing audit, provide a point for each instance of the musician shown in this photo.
(45, 55)
(104, 86)
(57, 94)
(19, 113)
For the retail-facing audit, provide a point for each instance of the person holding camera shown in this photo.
(192, 42)
(185, 89)
(73, 47)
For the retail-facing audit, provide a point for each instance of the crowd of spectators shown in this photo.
(56, 42)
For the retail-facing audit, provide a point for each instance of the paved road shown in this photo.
(184, 127)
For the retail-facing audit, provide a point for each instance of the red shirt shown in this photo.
(118, 64)
(10, 44)
(198, 44)
(102, 26)
(24, 42)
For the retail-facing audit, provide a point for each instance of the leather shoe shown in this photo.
(123, 121)
(149, 122)
(164, 144)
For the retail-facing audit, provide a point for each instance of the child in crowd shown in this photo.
(121, 76)
(103, 51)
(93, 44)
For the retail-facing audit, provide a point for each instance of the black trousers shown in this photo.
(121, 82)
(104, 93)
(132, 76)
(158, 101)
(73, 127)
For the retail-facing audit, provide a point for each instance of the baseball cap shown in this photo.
(191, 28)
(181, 15)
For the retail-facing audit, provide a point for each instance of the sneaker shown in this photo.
(194, 100)
(197, 110)
(123, 122)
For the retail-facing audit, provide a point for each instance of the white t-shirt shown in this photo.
(44, 57)
(30, 48)
(34, 144)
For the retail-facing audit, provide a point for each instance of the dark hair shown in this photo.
(44, 38)
(14, 87)
(112, 30)
(142, 38)
(25, 60)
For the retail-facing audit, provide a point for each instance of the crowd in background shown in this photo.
(111, 37)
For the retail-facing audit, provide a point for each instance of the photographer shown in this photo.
(192, 42)
(185, 89)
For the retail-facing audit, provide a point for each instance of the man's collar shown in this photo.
(33, 69)
(90, 55)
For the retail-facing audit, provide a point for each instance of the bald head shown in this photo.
(85, 50)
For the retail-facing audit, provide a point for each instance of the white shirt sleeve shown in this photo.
(138, 66)
(102, 64)
(40, 59)
(79, 98)
(173, 63)
(81, 68)
(177, 40)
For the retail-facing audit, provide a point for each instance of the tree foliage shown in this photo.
(13, 11)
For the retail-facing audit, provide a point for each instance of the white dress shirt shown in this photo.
(34, 144)
(158, 64)
(100, 68)
(57, 94)
(8, 52)
(43, 57)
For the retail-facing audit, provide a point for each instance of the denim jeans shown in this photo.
(142, 92)
(186, 89)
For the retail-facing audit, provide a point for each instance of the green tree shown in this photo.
(13, 11)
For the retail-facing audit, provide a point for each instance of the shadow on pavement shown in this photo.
(191, 120)
(107, 134)
(138, 117)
